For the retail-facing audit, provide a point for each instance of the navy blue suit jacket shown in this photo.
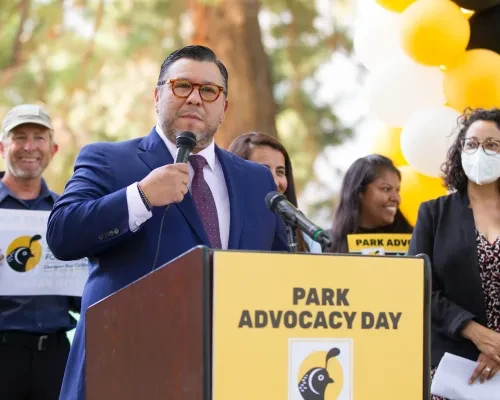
(91, 220)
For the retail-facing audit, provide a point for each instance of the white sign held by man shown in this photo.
(27, 266)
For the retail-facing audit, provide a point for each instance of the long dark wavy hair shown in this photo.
(453, 173)
(243, 145)
(347, 216)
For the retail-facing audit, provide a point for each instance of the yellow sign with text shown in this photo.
(379, 244)
(319, 327)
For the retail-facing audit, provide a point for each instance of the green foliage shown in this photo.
(94, 65)
(300, 49)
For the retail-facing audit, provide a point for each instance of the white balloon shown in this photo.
(426, 138)
(399, 88)
(376, 36)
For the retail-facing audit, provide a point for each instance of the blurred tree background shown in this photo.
(94, 65)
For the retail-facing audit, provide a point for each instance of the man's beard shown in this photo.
(203, 139)
(21, 173)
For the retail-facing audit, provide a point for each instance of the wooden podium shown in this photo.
(226, 325)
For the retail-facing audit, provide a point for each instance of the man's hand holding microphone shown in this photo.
(169, 183)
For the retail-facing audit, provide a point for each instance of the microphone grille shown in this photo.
(273, 198)
(186, 139)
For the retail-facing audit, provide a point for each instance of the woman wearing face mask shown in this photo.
(268, 151)
(460, 233)
(369, 202)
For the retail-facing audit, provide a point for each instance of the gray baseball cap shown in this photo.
(25, 114)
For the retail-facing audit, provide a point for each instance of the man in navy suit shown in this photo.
(111, 210)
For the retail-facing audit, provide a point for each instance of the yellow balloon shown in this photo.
(395, 5)
(387, 143)
(434, 32)
(415, 189)
(473, 80)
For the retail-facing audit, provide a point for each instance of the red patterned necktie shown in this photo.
(204, 201)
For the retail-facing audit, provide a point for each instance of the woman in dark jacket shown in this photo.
(460, 233)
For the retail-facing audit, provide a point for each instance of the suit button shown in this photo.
(116, 231)
(101, 237)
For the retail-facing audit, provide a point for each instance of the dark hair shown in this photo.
(197, 53)
(347, 215)
(453, 173)
(242, 147)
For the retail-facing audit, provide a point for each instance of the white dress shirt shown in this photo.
(214, 176)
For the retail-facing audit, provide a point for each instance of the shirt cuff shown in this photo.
(137, 211)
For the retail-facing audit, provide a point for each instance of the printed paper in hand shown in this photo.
(452, 381)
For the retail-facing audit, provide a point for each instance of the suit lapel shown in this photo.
(470, 248)
(154, 153)
(235, 183)
(469, 235)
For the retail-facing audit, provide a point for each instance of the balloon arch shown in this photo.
(428, 60)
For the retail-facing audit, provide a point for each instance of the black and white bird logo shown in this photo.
(18, 258)
(313, 384)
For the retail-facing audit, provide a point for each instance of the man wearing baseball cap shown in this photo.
(33, 342)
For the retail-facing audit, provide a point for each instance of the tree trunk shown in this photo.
(231, 29)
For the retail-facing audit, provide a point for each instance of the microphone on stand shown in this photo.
(295, 218)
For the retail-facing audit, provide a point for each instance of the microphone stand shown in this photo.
(291, 235)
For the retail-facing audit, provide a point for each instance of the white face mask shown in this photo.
(480, 167)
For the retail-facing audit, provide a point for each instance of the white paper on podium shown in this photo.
(452, 381)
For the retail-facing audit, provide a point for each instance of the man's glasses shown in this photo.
(182, 88)
(490, 146)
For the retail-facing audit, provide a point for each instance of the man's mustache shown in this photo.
(193, 114)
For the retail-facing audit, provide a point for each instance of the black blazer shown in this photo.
(445, 231)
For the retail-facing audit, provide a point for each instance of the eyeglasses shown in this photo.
(182, 88)
(490, 146)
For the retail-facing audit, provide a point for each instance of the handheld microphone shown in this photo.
(295, 218)
(185, 142)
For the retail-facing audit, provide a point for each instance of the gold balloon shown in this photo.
(387, 143)
(395, 5)
(434, 32)
(473, 80)
(415, 189)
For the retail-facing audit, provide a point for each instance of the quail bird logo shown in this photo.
(18, 258)
(313, 384)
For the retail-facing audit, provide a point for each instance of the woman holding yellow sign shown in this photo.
(460, 233)
(369, 202)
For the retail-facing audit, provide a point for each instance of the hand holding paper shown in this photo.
(486, 340)
(485, 370)
(452, 381)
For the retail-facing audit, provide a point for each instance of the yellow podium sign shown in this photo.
(379, 243)
(319, 327)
